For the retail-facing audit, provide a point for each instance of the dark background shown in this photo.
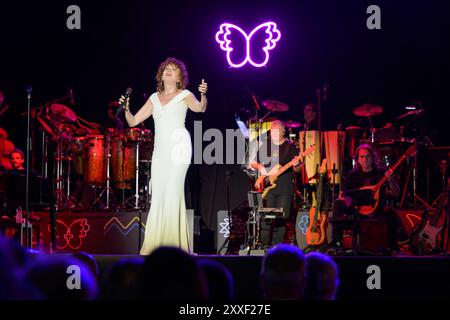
(121, 44)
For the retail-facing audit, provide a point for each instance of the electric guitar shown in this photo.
(424, 238)
(315, 234)
(267, 182)
(367, 210)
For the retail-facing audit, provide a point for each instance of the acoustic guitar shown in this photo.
(367, 210)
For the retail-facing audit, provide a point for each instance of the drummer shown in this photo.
(310, 117)
(113, 121)
(17, 159)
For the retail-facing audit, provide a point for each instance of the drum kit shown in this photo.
(106, 161)
(339, 145)
(388, 141)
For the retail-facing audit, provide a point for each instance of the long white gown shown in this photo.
(167, 220)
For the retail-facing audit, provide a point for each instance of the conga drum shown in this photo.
(95, 169)
(78, 156)
(123, 159)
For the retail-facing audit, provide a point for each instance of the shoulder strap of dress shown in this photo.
(154, 98)
(183, 94)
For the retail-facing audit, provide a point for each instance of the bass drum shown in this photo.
(95, 173)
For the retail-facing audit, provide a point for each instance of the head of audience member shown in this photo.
(13, 263)
(170, 273)
(89, 260)
(17, 159)
(62, 277)
(323, 281)
(283, 273)
(219, 279)
(121, 280)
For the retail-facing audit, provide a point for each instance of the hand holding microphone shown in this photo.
(124, 101)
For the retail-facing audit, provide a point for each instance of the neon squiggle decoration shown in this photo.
(226, 29)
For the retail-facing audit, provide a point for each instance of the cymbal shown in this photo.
(274, 105)
(367, 110)
(353, 128)
(61, 113)
(411, 113)
(266, 119)
(291, 124)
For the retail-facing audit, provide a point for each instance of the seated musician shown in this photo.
(113, 121)
(17, 159)
(281, 151)
(367, 173)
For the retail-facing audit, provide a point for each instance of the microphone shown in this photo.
(71, 99)
(124, 102)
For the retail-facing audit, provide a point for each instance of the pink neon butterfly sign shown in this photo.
(233, 39)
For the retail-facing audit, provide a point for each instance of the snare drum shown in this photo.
(95, 173)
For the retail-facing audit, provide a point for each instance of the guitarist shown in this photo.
(280, 152)
(366, 173)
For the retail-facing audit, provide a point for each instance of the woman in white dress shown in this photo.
(167, 220)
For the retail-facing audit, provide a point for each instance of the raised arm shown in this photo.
(143, 113)
(193, 103)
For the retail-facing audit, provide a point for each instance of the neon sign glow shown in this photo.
(272, 36)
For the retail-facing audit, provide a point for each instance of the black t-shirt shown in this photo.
(285, 153)
(357, 179)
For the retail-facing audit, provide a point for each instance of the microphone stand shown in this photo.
(28, 242)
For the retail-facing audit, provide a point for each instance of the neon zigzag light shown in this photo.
(121, 224)
(225, 30)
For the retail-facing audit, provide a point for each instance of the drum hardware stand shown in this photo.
(415, 197)
(107, 189)
(44, 155)
(135, 197)
(147, 190)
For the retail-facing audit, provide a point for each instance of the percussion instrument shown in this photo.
(94, 170)
(275, 106)
(367, 110)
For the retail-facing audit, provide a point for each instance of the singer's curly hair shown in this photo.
(184, 81)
